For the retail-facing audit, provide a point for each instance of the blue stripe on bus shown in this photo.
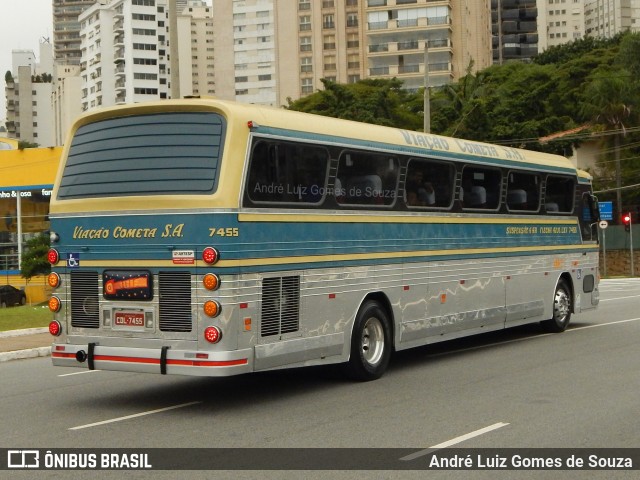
(156, 237)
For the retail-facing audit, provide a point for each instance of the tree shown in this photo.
(34, 258)
(377, 101)
(22, 144)
(607, 102)
(8, 77)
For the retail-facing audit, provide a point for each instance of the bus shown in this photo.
(210, 238)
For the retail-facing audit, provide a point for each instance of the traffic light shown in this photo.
(626, 220)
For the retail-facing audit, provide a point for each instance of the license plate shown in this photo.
(129, 319)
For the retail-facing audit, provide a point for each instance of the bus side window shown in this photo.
(367, 179)
(481, 187)
(285, 172)
(560, 194)
(429, 184)
(523, 192)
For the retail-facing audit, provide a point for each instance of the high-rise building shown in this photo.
(515, 30)
(124, 52)
(195, 50)
(456, 32)
(244, 38)
(66, 29)
(560, 22)
(605, 18)
(28, 94)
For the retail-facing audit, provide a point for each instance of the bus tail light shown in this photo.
(211, 281)
(212, 308)
(54, 304)
(55, 328)
(53, 280)
(212, 334)
(210, 255)
(53, 256)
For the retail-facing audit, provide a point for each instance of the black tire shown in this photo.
(562, 306)
(23, 300)
(370, 343)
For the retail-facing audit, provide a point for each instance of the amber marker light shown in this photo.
(212, 334)
(53, 256)
(210, 255)
(212, 308)
(54, 304)
(211, 281)
(55, 328)
(53, 280)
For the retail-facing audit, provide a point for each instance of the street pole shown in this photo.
(427, 105)
(604, 250)
(631, 244)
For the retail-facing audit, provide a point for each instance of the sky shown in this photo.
(22, 24)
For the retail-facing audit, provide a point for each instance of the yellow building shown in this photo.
(26, 182)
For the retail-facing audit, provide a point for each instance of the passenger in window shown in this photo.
(419, 192)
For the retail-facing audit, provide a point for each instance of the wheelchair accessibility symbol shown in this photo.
(73, 260)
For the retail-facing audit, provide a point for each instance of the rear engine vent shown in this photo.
(175, 301)
(85, 297)
(280, 306)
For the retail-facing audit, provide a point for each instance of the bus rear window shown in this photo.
(155, 154)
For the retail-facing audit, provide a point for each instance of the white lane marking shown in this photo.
(618, 298)
(602, 324)
(78, 373)
(135, 415)
(455, 441)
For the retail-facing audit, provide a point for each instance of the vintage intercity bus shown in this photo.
(202, 237)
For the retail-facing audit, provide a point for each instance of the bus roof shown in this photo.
(278, 120)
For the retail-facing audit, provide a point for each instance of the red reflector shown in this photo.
(212, 334)
(55, 328)
(332, 295)
(406, 287)
(210, 255)
(53, 256)
(60, 348)
(244, 305)
(203, 356)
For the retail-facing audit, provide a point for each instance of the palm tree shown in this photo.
(607, 103)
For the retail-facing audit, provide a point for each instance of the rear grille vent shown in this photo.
(85, 297)
(280, 306)
(175, 301)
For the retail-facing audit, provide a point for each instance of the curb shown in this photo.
(27, 353)
(24, 331)
(22, 354)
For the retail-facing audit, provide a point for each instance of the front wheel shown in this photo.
(370, 343)
(562, 303)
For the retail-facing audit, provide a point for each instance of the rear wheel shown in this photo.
(562, 304)
(370, 343)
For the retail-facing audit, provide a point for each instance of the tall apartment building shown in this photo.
(349, 40)
(605, 18)
(456, 32)
(28, 94)
(515, 30)
(66, 99)
(124, 52)
(559, 22)
(66, 29)
(244, 37)
(195, 48)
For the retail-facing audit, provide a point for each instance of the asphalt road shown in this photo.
(514, 389)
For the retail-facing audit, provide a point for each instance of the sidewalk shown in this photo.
(28, 343)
